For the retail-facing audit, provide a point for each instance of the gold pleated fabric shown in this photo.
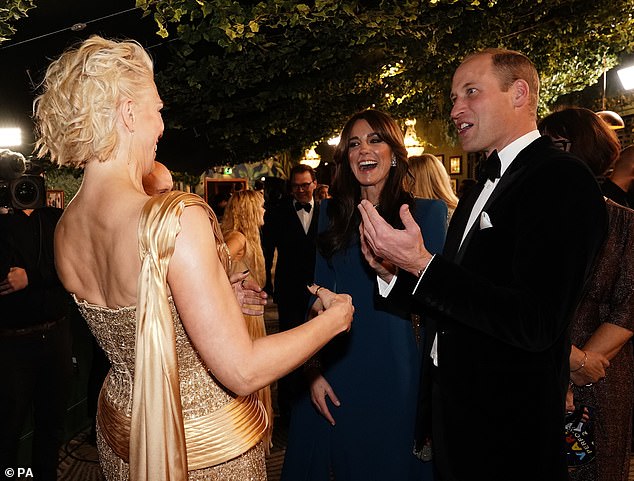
(212, 439)
(157, 439)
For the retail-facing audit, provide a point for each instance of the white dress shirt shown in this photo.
(507, 156)
(305, 217)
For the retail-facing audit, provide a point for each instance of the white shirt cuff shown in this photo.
(384, 287)
(423, 273)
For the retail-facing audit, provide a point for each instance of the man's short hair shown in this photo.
(510, 66)
(301, 168)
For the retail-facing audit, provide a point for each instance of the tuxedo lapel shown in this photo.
(513, 172)
(459, 221)
(314, 221)
(292, 214)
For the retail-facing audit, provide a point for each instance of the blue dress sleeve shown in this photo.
(431, 216)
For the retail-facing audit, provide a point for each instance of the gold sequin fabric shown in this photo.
(114, 329)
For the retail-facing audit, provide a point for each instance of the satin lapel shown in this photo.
(506, 180)
(515, 170)
(312, 229)
(459, 221)
(292, 212)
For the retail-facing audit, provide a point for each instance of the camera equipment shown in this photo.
(21, 186)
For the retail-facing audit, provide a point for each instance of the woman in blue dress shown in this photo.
(356, 419)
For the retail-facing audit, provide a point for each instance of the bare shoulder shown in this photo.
(97, 249)
(196, 218)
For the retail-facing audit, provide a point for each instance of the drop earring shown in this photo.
(130, 147)
(393, 163)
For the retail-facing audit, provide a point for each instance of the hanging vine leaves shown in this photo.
(10, 12)
(261, 77)
(254, 78)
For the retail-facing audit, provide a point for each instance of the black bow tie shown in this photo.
(299, 206)
(492, 167)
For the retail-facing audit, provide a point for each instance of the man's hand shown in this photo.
(404, 248)
(16, 280)
(250, 296)
(384, 269)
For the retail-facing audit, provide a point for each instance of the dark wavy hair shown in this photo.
(591, 138)
(346, 190)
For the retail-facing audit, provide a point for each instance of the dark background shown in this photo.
(46, 33)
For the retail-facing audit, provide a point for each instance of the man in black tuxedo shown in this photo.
(291, 228)
(498, 300)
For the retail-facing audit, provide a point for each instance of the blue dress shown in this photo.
(374, 370)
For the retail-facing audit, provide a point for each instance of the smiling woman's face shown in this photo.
(369, 156)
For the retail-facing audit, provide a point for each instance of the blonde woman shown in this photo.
(148, 275)
(241, 222)
(431, 181)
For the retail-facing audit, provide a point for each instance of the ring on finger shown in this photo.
(317, 291)
(242, 282)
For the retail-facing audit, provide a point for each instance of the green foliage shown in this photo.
(264, 77)
(10, 11)
(63, 178)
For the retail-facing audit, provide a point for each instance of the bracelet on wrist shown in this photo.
(583, 362)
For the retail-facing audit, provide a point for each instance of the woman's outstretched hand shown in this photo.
(339, 306)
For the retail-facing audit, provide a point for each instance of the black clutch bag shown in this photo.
(579, 436)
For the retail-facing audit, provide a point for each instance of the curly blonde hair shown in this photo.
(431, 180)
(75, 114)
(242, 214)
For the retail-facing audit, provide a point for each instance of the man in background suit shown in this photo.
(291, 228)
(499, 298)
(35, 340)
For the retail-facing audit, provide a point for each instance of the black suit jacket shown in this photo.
(27, 242)
(500, 305)
(295, 265)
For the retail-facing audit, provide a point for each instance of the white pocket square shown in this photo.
(485, 222)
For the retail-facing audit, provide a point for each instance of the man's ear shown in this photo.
(521, 93)
(126, 114)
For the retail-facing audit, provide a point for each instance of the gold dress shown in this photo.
(162, 415)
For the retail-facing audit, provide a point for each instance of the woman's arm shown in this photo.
(608, 340)
(237, 243)
(588, 363)
(212, 318)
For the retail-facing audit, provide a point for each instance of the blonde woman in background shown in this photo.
(241, 222)
(431, 181)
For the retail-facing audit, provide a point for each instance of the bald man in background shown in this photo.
(158, 181)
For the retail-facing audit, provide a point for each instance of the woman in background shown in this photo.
(356, 418)
(241, 223)
(431, 181)
(601, 359)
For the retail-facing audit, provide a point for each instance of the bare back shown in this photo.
(96, 246)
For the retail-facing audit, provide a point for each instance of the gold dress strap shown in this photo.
(157, 436)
